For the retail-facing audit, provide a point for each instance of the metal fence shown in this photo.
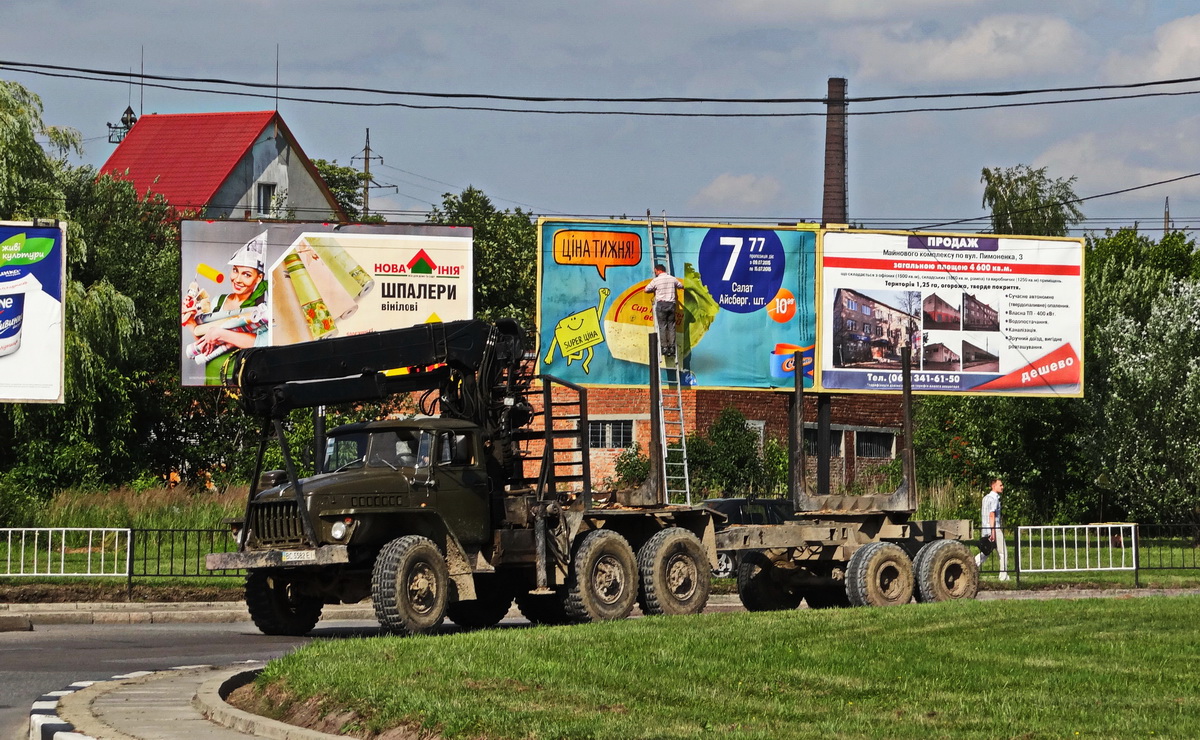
(1133, 548)
(65, 551)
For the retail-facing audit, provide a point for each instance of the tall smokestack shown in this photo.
(834, 209)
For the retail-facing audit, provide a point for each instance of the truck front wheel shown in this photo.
(277, 607)
(762, 586)
(945, 571)
(879, 574)
(410, 586)
(675, 573)
(603, 579)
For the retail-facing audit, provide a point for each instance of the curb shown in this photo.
(210, 702)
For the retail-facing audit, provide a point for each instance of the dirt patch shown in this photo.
(316, 714)
(65, 593)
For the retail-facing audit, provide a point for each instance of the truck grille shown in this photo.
(276, 523)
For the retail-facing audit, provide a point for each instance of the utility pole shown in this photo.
(1166, 216)
(366, 158)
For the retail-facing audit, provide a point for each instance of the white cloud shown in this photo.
(1174, 52)
(1110, 161)
(837, 10)
(994, 48)
(729, 192)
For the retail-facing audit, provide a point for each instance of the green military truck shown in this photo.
(485, 501)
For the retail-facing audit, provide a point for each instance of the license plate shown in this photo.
(299, 556)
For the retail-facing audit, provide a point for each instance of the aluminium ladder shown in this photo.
(671, 432)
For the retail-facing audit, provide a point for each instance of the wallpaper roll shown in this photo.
(341, 303)
(287, 323)
(313, 308)
(357, 281)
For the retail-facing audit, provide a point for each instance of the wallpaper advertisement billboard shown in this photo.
(984, 314)
(247, 284)
(747, 303)
(32, 270)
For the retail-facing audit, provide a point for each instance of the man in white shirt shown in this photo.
(663, 286)
(992, 537)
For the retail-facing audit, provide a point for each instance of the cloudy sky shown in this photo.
(912, 169)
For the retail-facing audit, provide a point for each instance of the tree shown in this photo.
(1025, 201)
(28, 182)
(505, 254)
(346, 184)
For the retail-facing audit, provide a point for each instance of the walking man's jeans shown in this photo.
(664, 313)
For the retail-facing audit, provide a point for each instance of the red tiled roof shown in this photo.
(186, 156)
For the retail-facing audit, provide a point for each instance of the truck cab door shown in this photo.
(462, 487)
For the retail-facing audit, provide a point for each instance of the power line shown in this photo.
(269, 94)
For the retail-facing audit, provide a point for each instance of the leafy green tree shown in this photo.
(505, 254)
(727, 458)
(346, 184)
(1025, 201)
(28, 172)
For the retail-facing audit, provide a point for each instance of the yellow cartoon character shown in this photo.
(575, 335)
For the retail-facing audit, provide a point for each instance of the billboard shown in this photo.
(984, 314)
(246, 284)
(32, 277)
(747, 304)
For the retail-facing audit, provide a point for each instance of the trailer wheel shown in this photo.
(945, 570)
(879, 574)
(493, 598)
(410, 586)
(276, 605)
(544, 608)
(603, 579)
(674, 573)
(762, 587)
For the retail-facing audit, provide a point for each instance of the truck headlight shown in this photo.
(339, 530)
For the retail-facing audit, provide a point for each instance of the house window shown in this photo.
(616, 434)
(874, 444)
(851, 324)
(851, 304)
(866, 310)
(867, 329)
(265, 199)
(835, 442)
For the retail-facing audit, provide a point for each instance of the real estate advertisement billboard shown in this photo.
(746, 306)
(984, 314)
(32, 276)
(248, 284)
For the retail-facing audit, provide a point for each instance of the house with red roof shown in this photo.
(224, 165)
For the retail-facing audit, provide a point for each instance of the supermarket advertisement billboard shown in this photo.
(985, 314)
(747, 302)
(246, 284)
(32, 331)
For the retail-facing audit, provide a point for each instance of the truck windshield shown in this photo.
(394, 448)
(345, 450)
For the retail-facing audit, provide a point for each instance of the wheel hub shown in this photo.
(681, 577)
(422, 588)
(609, 579)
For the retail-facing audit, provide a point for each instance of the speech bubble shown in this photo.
(603, 249)
(208, 272)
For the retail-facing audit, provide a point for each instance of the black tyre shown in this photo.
(544, 608)
(879, 574)
(277, 607)
(493, 599)
(763, 587)
(410, 586)
(826, 597)
(675, 573)
(603, 582)
(945, 570)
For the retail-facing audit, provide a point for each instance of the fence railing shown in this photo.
(64, 551)
(1077, 547)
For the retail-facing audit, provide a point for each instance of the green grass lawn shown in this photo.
(1087, 668)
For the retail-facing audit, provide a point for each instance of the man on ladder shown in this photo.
(664, 287)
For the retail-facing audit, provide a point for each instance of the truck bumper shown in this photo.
(324, 555)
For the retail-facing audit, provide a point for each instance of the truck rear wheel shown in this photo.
(491, 603)
(879, 574)
(410, 586)
(603, 583)
(945, 570)
(762, 587)
(544, 608)
(675, 573)
(276, 605)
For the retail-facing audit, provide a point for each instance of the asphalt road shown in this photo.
(54, 656)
